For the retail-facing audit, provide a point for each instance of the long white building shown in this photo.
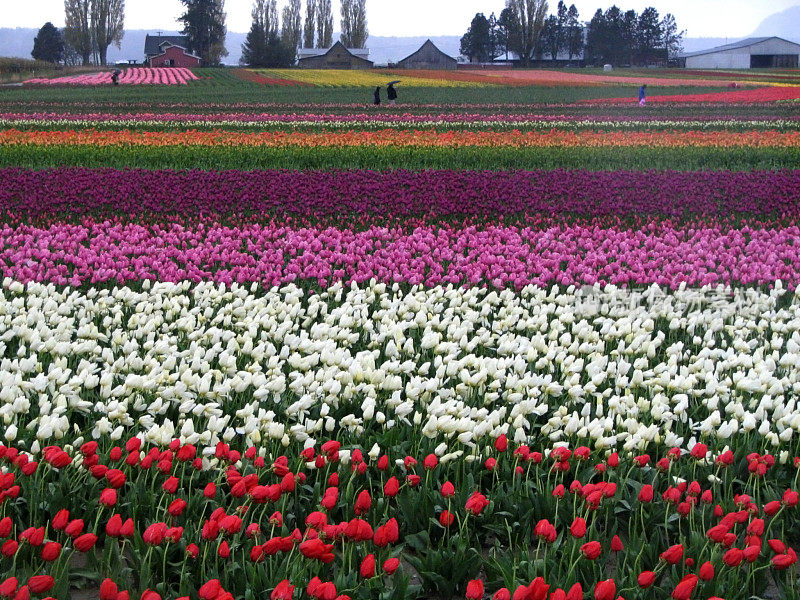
(752, 53)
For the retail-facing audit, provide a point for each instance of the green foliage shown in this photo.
(597, 159)
(48, 45)
(204, 25)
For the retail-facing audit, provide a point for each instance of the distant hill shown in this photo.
(785, 24)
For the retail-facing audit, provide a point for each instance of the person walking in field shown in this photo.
(391, 93)
(377, 96)
(643, 95)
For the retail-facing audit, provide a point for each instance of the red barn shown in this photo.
(168, 51)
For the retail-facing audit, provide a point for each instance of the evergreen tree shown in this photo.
(504, 31)
(649, 36)
(574, 33)
(550, 37)
(476, 42)
(254, 49)
(204, 26)
(48, 45)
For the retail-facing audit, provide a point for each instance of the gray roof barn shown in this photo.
(752, 53)
(428, 57)
(336, 57)
(156, 44)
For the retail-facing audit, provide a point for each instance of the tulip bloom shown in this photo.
(646, 579)
(391, 565)
(476, 503)
(367, 569)
(591, 550)
(448, 490)
(51, 551)
(578, 528)
(39, 584)
(363, 503)
(474, 590)
(283, 591)
(684, 589)
(85, 542)
(673, 555)
(108, 590)
(391, 488)
(605, 590)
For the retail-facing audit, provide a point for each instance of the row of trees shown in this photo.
(628, 38)
(273, 40)
(92, 26)
(525, 29)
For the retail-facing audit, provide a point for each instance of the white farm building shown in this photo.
(752, 53)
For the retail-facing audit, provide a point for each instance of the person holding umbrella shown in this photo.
(391, 93)
(115, 76)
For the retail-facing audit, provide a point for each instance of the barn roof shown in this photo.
(427, 44)
(313, 52)
(736, 46)
(362, 53)
(152, 43)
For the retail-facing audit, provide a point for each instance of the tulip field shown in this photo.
(281, 344)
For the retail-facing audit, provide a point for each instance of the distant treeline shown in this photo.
(612, 37)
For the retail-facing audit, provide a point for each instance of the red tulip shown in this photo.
(733, 557)
(448, 490)
(367, 569)
(578, 528)
(9, 548)
(224, 551)
(363, 502)
(706, 571)
(474, 590)
(591, 550)
(646, 579)
(673, 555)
(35, 536)
(150, 595)
(575, 592)
(538, 589)
(684, 589)
(41, 583)
(51, 551)
(23, 593)
(318, 550)
(391, 565)
(476, 503)
(446, 518)
(108, 497)
(616, 544)
(429, 463)
(391, 488)
(209, 590)
(74, 528)
(192, 550)
(85, 542)
(646, 493)
(58, 523)
(605, 590)
(108, 590)
(283, 591)
(777, 546)
(9, 587)
(501, 443)
(115, 478)
(502, 594)
(154, 534)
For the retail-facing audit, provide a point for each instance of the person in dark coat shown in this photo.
(377, 95)
(391, 93)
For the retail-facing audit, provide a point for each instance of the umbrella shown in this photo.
(393, 82)
(117, 72)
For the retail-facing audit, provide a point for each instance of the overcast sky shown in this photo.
(701, 18)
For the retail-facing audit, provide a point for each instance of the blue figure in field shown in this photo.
(643, 95)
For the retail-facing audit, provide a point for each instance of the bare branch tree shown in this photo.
(354, 23)
(529, 16)
(324, 24)
(292, 25)
(108, 21)
(78, 31)
(309, 31)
